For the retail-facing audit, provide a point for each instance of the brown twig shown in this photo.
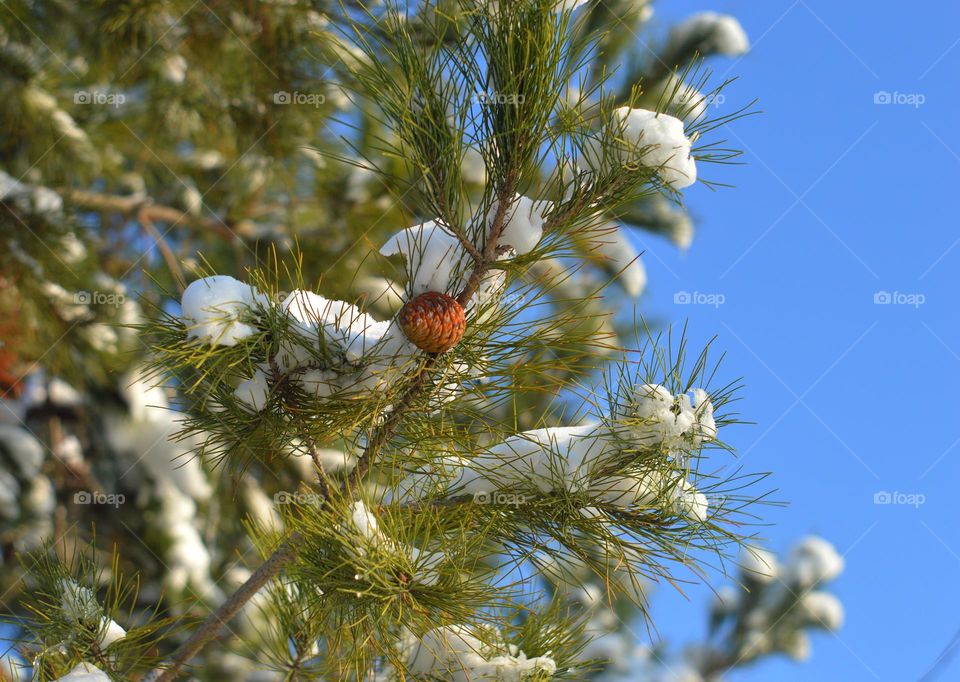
(137, 206)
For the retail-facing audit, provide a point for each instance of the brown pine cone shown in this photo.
(433, 322)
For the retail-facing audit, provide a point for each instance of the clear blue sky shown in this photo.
(841, 198)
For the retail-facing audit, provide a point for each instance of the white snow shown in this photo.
(254, 392)
(339, 323)
(797, 645)
(653, 416)
(822, 609)
(80, 605)
(219, 310)
(84, 672)
(813, 560)
(23, 448)
(552, 458)
(712, 33)
(458, 655)
(726, 600)
(374, 539)
(758, 564)
(435, 258)
(524, 227)
(622, 258)
(660, 142)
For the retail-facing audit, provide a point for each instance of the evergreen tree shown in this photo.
(314, 364)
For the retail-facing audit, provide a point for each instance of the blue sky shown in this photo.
(842, 198)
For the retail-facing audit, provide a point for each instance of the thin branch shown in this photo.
(137, 206)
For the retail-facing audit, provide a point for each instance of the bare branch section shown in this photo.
(144, 208)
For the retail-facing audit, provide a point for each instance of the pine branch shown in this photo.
(287, 551)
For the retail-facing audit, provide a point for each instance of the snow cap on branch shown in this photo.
(712, 33)
(524, 226)
(79, 605)
(622, 258)
(435, 257)
(661, 142)
(457, 655)
(822, 609)
(813, 560)
(758, 564)
(374, 539)
(218, 310)
(337, 324)
(653, 415)
(84, 672)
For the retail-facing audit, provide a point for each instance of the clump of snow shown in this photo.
(373, 539)
(22, 449)
(653, 415)
(758, 564)
(554, 458)
(711, 33)
(254, 392)
(524, 226)
(670, 492)
(219, 310)
(456, 654)
(435, 258)
(726, 600)
(30, 198)
(682, 99)
(813, 560)
(621, 257)
(569, 458)
(661, 143)
(822, 609)
(84, 672)
(79, 605)
(337, 323)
